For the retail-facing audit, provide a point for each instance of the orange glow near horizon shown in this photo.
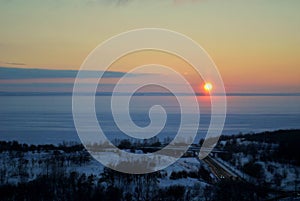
(266, 61)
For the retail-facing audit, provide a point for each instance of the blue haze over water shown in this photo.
(48, 119)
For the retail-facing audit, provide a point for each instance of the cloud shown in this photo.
(15, 63)
(26, 73)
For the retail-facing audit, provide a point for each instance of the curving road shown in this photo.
(218, 170)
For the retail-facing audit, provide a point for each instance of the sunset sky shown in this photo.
(254, 43)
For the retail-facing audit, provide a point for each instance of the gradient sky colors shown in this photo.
(255, 44)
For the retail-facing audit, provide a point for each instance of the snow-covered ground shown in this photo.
(183, 164)
(278, 175)
(18, 167)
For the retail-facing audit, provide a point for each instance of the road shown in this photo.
(219, 171)
(223, 173)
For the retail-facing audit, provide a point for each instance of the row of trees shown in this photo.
(67, 147)
(24, 166)
(123, 187)
(77, 187)
(266, 158)
(279, 146)
(202, 173)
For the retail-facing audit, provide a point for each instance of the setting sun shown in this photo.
(208, 87)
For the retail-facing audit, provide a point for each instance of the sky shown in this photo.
(255, 44)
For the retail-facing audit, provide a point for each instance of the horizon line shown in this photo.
(5, 93)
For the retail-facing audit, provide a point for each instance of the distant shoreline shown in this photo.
(139, 94)
(239, 135)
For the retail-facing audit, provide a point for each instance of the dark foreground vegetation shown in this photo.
(122, 187)
(281, 146)
(46, 172)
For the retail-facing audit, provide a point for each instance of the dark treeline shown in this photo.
(115, 186)
(286, 150)
(267, 159)
(57, 181)
(16, 146)
(111, 186)
(69, 147)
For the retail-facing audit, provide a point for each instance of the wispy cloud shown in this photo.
(22, 73)
(15, 63)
